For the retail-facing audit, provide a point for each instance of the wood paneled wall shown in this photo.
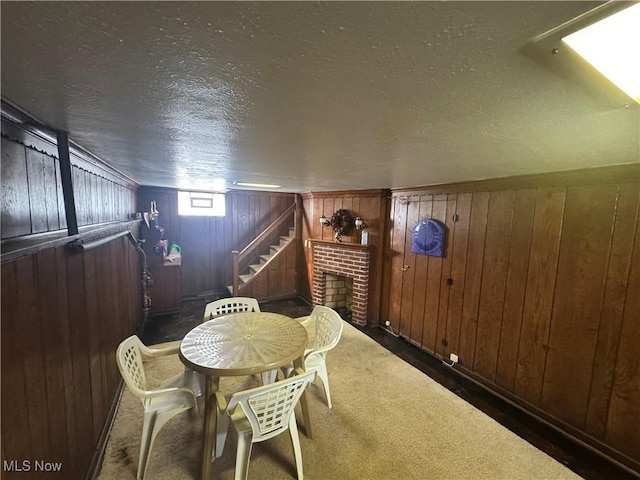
(63, 313)
(63, 316)
(207, 242)
(32, 199)
(537, 294)
(372, 207)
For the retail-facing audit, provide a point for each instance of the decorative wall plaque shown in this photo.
(428, 238)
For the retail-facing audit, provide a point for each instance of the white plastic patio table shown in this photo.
(240, 344)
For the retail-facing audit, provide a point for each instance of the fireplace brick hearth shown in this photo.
(345, 259)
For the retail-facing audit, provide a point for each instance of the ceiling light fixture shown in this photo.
(557, 50)
(611, 46)
(257, 185)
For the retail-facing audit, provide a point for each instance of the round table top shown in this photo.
(243, 344)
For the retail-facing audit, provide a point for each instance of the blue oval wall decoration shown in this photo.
(429, 238)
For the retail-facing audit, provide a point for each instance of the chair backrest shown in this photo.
(129, 360)
(230, 305)
(269, 408)
(328, 327)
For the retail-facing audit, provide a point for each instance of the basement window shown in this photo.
(203, 204)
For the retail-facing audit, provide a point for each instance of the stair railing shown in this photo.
(249, 250)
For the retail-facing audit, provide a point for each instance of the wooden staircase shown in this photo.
(252, 261)
(263, 261)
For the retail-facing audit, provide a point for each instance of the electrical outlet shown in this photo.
(453, 357)
(387, 323)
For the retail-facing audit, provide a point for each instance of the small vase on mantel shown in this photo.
(364, 239)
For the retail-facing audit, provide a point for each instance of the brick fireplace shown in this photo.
(348, 260)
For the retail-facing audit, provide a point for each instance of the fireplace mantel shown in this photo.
(339, 244)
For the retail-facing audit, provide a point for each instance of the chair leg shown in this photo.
(221, 434)
(322, 373)
(153, 423)
(269, 377)
(295, 441)
(242, 455)
(145, 444)
(196, 381)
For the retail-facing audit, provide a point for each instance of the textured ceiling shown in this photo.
(314, 96)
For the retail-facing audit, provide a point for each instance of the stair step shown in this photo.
(255, 268)
(263, 259)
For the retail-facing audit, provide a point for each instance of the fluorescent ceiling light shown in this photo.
(257, 185)
(611, 45)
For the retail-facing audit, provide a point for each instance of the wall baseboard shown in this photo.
(98, 456)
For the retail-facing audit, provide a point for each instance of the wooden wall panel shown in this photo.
(58, 186)
(418, 299)
(496, 257)
(303, 254)
(516, 284)
(79, 351)
(617, 285)
(432, 283)
(622, 430)
(80, 194)
(199, 253)
(373, 207)
(543, 261)
(57, 373)
(395, 258)
(473, 277)
(29, 336)
(409, 268)
(60, 330)
(458, 252)
(442, 343)
(51, 173)
(544, 305)
(580, 281)
(63, 313)
(15, 415)
(93, 322)
(32, 199)
(101, 198)
(16, 217)
(37, 195)
(58, 310)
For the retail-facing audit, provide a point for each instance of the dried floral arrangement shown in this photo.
(342, 222)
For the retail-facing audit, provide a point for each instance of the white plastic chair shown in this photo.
(260, 414)
(324, 327)
(230, 305)
(174, 396)
(235, 305)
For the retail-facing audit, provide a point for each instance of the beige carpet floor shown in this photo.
(389, 421)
